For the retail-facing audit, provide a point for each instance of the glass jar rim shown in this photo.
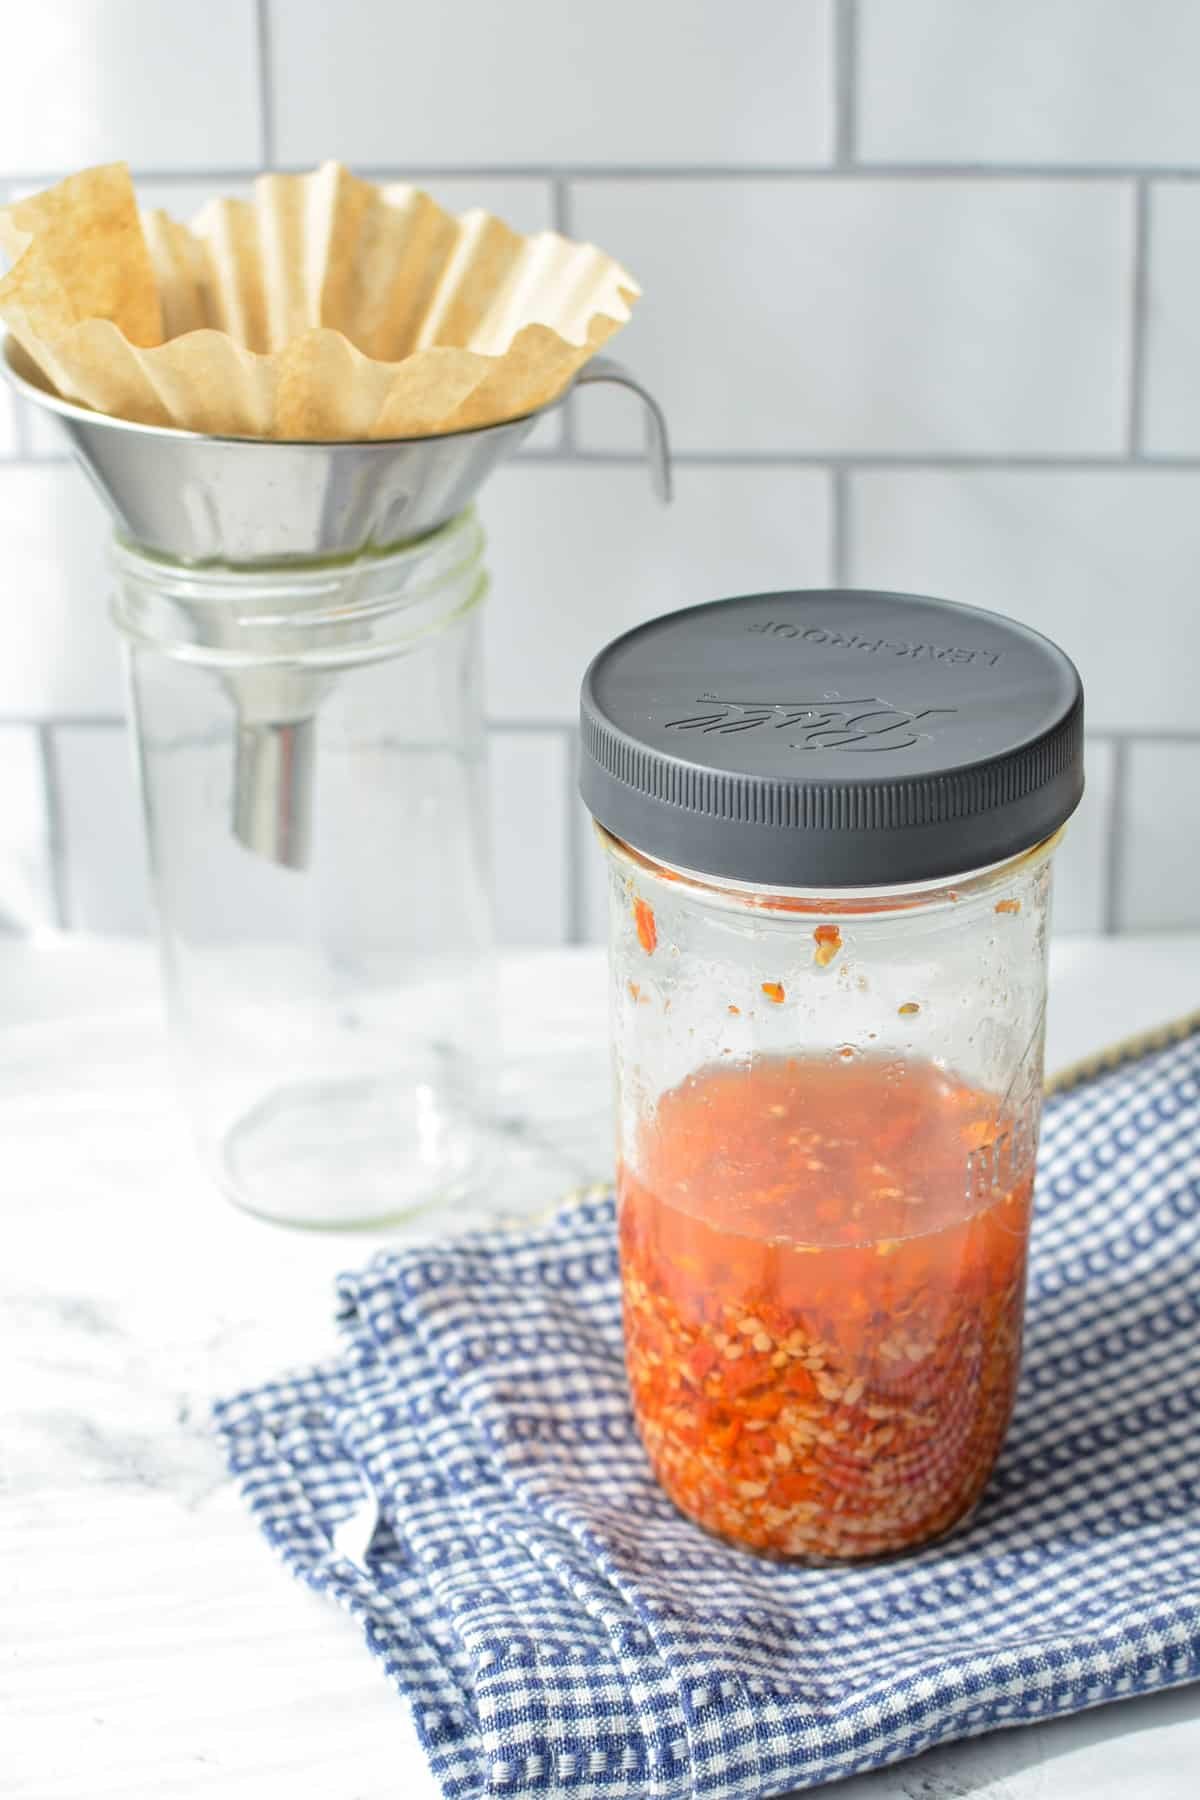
(455, 545)
(334, 613)
(726, 892)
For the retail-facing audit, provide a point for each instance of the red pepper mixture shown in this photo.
(647, 926)
(822, 1318)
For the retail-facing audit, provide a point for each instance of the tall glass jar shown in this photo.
(310, 741)
(828, 1090)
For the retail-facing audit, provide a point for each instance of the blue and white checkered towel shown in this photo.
(558, 1629)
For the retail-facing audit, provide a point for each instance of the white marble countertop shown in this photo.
(153, 1646)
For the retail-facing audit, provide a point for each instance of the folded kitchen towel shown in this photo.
(558, 1629)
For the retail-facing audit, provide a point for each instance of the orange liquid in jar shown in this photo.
(823, 1301)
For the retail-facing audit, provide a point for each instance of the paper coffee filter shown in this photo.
(326, 308)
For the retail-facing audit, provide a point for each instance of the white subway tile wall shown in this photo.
(540, 82)
(530, 776)
(8, 423)
(26, 861)
(1105, 561)
(43, 440)
(59, 656)
(580, 552)
(922, 283)
(104, 875)
(162, 87)
(1032, 81)
(1159, 876)
(1171, 421)
(818, 315)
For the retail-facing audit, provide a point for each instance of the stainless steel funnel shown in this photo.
(252, 502)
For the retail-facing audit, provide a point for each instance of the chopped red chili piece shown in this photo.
(828, 941)
(774, 990)
(1008, 906)
(647, 928)
(822, 1320)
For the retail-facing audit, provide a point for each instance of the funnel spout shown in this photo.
(273, 789)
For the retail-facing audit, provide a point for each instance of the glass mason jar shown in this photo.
(828, 1076)
(311, 749)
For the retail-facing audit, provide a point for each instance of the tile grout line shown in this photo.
(1017, 462)
(533, 727)
(754, 459)
(1128, 734)
(55, 836)
(821, 171)
(839, 526)
(266, 93)
(574, 859)
(1114, 848)
(560, 203)
(1139, 307)
(862, 170)
(845, 79)
(107, 721)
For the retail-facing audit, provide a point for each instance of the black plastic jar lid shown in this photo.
(832, 738)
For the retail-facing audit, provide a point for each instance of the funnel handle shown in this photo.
(658, 443)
